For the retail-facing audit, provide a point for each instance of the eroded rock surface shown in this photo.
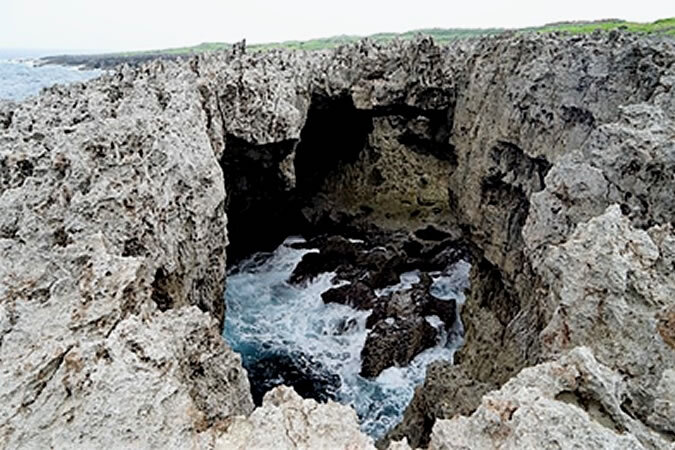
(551, 156)
(569, 403)
(543, 153)
(112, 247)
(287, 421)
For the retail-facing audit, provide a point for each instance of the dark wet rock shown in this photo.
(415, 302)
(311, 265)
(358, 295)
(395, 342)
(446, 253)
(346, 326)
(308, 377)
(400, 328)
(377, 265)
(388, 273)
(446, 310)
(431, 233)
(334, 252)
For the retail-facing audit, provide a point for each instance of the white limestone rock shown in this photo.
(568, 403)
(286, 421)
(112, 239)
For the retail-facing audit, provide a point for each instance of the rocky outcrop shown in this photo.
(541, 406)
(395, 342)
(112, 261)
(403, 324)
(447, 391)
(551, 157)
(547, 138)
(287, 421)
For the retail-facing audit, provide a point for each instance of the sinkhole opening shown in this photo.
(336, 319)
(358, 307)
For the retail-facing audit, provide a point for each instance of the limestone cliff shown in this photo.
(553, 157)
(112, 259)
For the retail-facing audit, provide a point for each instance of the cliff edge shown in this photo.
(552, 156)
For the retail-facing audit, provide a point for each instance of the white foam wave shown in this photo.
(264, 311)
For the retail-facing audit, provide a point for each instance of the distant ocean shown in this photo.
(20, 78)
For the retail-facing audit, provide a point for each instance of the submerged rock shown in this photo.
(308, 378)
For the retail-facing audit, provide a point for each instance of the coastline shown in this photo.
(103, 61)
(24, 77)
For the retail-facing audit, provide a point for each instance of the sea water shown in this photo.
(266, 313)
(20, 78)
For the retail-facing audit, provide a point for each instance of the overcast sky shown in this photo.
(107, 25)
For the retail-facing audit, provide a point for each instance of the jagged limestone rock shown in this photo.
(573, 402)
(112, 239)
(287, 421)
(605, 131)
(609, 283)
(113, 220)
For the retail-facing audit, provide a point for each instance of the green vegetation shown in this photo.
(441, 35)
(662, 26)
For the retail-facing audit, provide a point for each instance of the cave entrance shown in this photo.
(268, 185)
(334, 135)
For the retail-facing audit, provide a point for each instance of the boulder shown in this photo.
(287, 421)
(357, 295)
(573, 401)
(395, 342)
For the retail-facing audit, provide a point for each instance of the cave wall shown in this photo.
(396, 182)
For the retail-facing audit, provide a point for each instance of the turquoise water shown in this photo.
(19, 79)
(266, 314)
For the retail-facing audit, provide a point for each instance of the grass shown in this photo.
(662, 26)
(441, 35)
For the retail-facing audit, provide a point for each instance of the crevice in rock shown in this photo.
(163, 290)
(44, 375)
(338, 155)
(594, 409)
(259, 202)
(493, 294)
